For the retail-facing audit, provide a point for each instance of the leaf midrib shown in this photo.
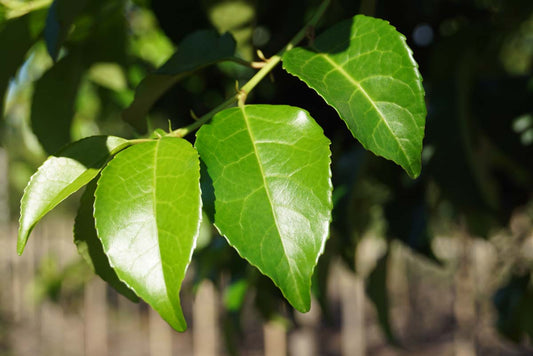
(367, 96)
(263, 176)
(25, 229)
(154, 207)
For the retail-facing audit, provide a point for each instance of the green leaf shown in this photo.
(196, 51)
(234, 294)
(62, 175)
(61, 16)
(16, 38)
(148, 212)
(54, 100)
(270, 171)
(364, 69)
(90, 247)
(108, 75)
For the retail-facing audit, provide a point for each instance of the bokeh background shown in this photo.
(439, 265)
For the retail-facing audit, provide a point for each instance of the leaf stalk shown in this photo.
(265, 70)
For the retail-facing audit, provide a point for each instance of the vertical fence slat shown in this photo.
(400, 307)
(275, 336)
(464, 304)
(95, 312)
(205, 321)
(352, 294)
(52, 315)
(160, 335)
(130, 330)
(47, 328)
(304, 340)
(73, 335)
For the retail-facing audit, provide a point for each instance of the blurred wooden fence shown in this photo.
(104, 323)
(100, 322)
(436, 311)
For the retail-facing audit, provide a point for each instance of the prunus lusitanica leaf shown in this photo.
(54, 101)
(90, 247)
(197, 50)
(365, 70)
(270, 170)
(62, 175)
(147, 211)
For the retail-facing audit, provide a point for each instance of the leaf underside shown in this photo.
(147, 212)
(60, 176)
(365, 70)
(270, 170)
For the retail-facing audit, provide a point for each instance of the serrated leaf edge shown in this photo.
(195, 239)
(412, 172)
(307, 307)
(22, 241)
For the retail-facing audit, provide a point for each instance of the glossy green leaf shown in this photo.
(90, 247)
(364, 69)
(148, 212)
(196, 51)
(270, 171)
(54, 101)
(62, 175)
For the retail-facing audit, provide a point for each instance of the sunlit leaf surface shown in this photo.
(270, 171)
(148, 211)
(62, 175)
(364, 69)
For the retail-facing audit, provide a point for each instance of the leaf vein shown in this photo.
(368, 97)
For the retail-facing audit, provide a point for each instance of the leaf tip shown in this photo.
(175, 319)
(181, 328)
(21, 242)
(304, 308)
(413, 170)
(413, 174)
